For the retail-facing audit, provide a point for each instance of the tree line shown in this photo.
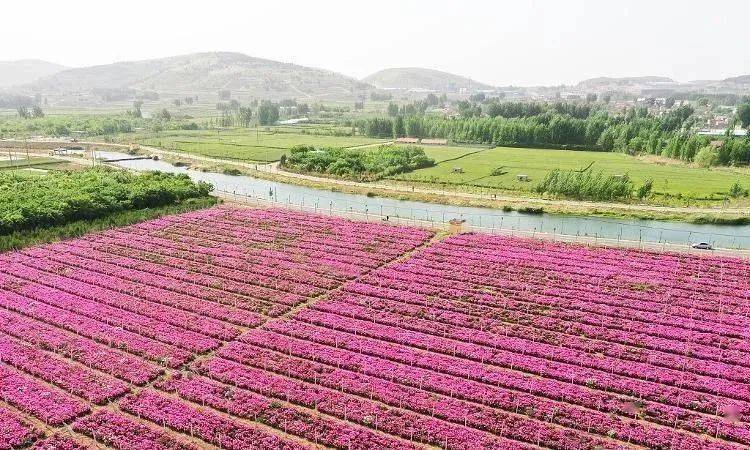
(577, 127)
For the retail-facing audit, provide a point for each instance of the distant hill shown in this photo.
(200, 73)
(593, 83)
(26, 71)
(419, 78)
(742, 79)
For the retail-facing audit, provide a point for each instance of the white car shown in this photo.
(702, 246)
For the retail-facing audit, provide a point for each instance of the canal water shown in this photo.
(720, 236)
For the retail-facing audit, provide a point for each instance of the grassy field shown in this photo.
(476, 167)
(247, 144)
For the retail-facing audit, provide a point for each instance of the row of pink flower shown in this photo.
(721, 323)
(541, 297)
(345, 240)
(594, 284)
(373, 244)
(210, 426)
(251, 238)
(448, 317)
(637, 261)
(364, 404)
(110, 335)
(504, 278)
(261, 271)
(247, 260)
(374, 352)
(317, 428)
(520, 306)
(207, 302)
(37, 399)
(690, 286)
(203, 275)
(349, 239)
(520, 384)
(487, 341)
(15, 432)
(579, 261)
(142, 325)
(529, 307)
(390, 383)
(493, 371)
(60, 441)
(180, 280)
(78, 380)
(327, 263)
(81, 283)
(114, 362)
(369, 233)
(205, 243)
(184, 308)
(119, 431)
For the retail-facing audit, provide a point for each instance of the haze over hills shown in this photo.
(742, 79)
(658, 85)
(25, 71)
(205, 74)
(199, 73)
(423, 79)
(622, 81)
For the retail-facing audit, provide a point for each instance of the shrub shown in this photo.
(232, 171)
(737, 190)
(497, 171)
(706, 157)
(382, 162)
(586, 185)
(645, 189)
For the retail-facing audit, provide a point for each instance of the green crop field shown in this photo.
(471, 167)
(264, 145)
(34, 162)
(446, 154)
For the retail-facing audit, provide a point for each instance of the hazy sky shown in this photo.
(520, 42)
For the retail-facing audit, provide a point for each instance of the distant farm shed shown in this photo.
(407, 140)
(67, 150)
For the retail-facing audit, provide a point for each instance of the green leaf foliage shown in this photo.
(384, 161)
(28, 202)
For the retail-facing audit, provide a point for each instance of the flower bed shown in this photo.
(282, 330)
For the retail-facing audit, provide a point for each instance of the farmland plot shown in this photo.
(276, 329)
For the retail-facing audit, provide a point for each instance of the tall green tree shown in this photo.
(399, 130)
(268, 113)
(245, 115)
(743, 114)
